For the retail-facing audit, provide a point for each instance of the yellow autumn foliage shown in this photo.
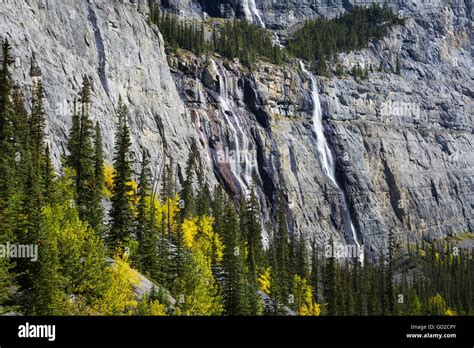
(109, 173)
(169, 210)
(119, 298)
(156, 309)
(303, 296)
(264, 281)
(108, 179)
(190, 230)
(199, 235)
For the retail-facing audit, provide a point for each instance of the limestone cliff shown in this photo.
(401, 140)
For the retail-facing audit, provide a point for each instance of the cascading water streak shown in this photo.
(243, 155)
(325, 155)
(251, 12)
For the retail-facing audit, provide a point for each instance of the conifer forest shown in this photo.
(227, 160)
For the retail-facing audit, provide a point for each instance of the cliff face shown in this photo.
(402, 143)
(111, 42)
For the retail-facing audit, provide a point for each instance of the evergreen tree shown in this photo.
(234, 288)
(7, 154)
(6, 173)
(389, 274)
(282, 255)
(37, 123)
(331, 284)
(97, 211)
(187, 192)
(145, 231)
(70, 272)
(84, 153)
(48, 178)
(255, 257)
(314, 276)
(302, 259)
(121, 213)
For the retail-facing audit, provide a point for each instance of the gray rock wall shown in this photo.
(402, 143)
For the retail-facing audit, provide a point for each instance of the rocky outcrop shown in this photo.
(112, 43)
(402, 140)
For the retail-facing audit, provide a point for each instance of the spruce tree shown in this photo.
(48, 178)
(314, 277)
(389, 288)
(302, 268)
(331, 282)
(37, 123)
(145, 231)
(234, 288)
(6, 171)
(187, 192)
(84, 154)
(255, 256)
(97, 211)
(7, 154)
(282, 255)
(121, 213)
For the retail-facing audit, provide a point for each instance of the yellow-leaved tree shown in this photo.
(119, 297)
(196, 291)
(304, 302)
(151, 307)
(71, 271)
(264, 281)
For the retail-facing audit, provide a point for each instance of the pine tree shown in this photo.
(97, 211)
(6, 174)
(145, 231)
(302, 259)
(331, 284)
(48, 178)
(121, 213)
(187, 192)
(314, 276)
(234, 288)
(282, 255)
(389, 273)
(37, 123)
(84, 153)
(7, 154)
(85, 170)
(255, 254)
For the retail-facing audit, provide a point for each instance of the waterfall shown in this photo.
(244, 156)
(251, 12)
(325, 156)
